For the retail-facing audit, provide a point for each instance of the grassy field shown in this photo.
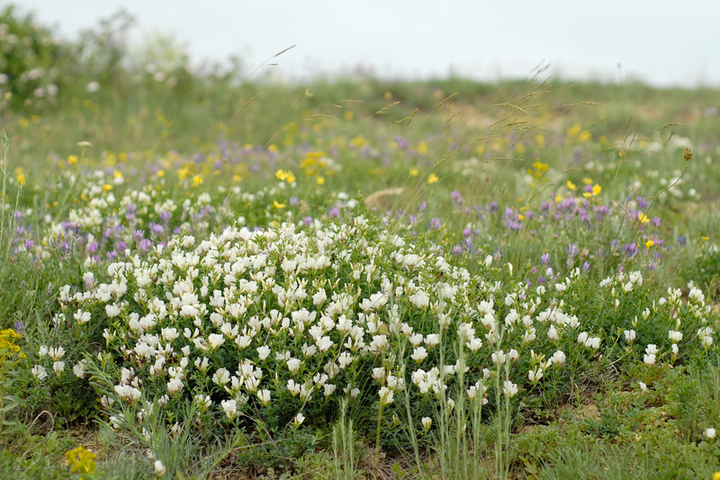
(208, 274)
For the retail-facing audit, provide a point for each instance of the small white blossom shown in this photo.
(159, 468)
(419, 354)
(510, 389)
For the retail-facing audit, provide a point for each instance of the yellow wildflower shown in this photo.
(649, 244)
(20, 173)
(574, 131)
(433, 179)
(348, 115)
(72, 159)
(642, 217)
(81, 460)
(320, 180)
(285, 176)
(160, 173)
(277, 205)
(414, 172)
(571, 186)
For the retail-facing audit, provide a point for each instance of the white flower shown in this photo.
(649, 359)
(642, 386)
(263, 352)
(324, 343)
(42, 351)
(264, 396)
(93, 87)
(696, 295)
(56, 353)
(498, 357)
(170, 334)
(39, 372)
(419, 354)
(427, 421)
(329, 389)
(432, 339)
(510, 389)
(552, 333)
(174, 386)
(379, 342)
(128, 393)
(582, 338)
(488, 261)
(229, 407)
(293, 365)
(675, 336)
(299, 419)
(629, 335)
(535, 375)
(112, 310)
(558, 358)
(215, 340)
(159, 468)
(58, 367)
(710, 433)
(221, 377)
(675, 349)
(82, 317)
(79, 369)
(293, 388)
(474, 345)
(386, 396)
(229, 330)
(420, 299)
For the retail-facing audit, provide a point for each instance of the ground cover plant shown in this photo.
(207, 274)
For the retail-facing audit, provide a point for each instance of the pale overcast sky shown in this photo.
(664, 42)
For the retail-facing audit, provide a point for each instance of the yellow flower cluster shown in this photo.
(285, 176)
(81, 460)
(8, 347)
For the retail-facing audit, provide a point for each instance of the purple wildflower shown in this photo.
(457, 199)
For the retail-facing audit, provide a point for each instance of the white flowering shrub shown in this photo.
(266, 324)
(279, 325)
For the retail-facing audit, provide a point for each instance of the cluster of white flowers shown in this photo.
(304, 309)
(671, 309)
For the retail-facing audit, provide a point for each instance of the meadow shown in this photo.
(208, 273)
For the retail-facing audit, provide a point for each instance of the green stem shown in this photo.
(377, 434)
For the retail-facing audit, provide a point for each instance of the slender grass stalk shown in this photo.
(379, 423)
(344, 445)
